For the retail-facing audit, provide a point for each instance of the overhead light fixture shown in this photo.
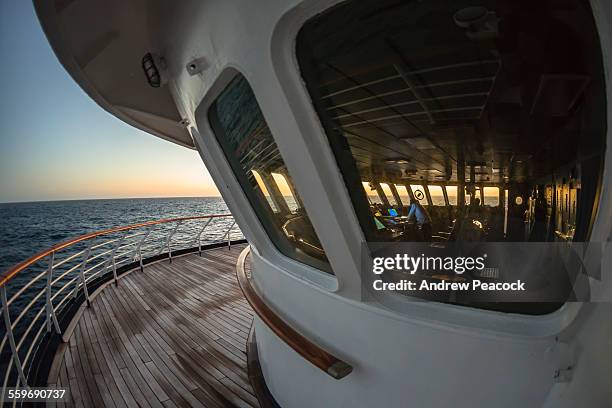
(397, 161)
(149, 66)
(421, 143)
(406, 173)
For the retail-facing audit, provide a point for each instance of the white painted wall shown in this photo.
(436, 356)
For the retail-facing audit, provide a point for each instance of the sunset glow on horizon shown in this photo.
(167, 170)
(56, 143)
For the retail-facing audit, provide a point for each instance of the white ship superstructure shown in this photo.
(323, 123)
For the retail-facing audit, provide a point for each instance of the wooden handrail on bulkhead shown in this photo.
(327, 362)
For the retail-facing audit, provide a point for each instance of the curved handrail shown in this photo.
(320, 358)
(44, 295)
(13, 271)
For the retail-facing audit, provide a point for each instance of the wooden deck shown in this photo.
(173, 335)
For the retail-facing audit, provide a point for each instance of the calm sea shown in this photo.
(27, 228)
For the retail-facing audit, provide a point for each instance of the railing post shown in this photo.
(11, 338)
(170, 238)
(229, 242)
(199, 237)
(49, 305)
(139, 248)
(82, 275)
(113, 253)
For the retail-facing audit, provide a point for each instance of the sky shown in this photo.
(58, 144)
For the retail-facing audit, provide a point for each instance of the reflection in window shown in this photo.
(371, 192)
(387, 190)
(491, 196)
(419, 193)
(473, 192)
(264, 189)
(251, 151)
(437, 195)
(410, 92)
(451, 193)
(285, 191)
(402, 191)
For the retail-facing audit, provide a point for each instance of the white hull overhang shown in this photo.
(101, 45)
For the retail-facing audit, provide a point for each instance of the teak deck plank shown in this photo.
(173, 335)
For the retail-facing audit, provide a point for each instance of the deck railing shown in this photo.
(36, 291)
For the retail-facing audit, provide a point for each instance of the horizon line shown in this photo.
(101, 198)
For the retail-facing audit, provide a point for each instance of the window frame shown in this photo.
(326, 280)
(265, 190)
(408, 194)
(497, 195)
(295, 199)
(377, 193)
(446, 186)
(284, 47)
(425, 192)
(442, 190)
(389, 196)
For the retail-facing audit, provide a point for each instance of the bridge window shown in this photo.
(451, 193)
(285, 191)
(388, 193)
(403, 194)
(436, 194)
(418, 191)
(472, 192)
(371, 192)
(482, 96)
(251, 151)
(491, 196)
(264, 190)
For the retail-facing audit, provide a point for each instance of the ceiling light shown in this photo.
(421, 143)
(397, 161)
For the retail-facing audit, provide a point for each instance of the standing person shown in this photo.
(422, 217)
(538, 231)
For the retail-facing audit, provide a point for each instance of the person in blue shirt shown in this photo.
(423, 219)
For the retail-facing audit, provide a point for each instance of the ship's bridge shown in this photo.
(332, 127)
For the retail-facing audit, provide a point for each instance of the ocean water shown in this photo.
(27, 228)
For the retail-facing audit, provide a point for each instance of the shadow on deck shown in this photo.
(173, 335)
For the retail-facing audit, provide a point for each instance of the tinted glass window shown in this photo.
(504, 94)
(491, 95)
(371, 193)
(285, 190)
(418, 191)
(402, 191)
(491, 196)
(248, 145)
(437, 196)
(451, 193)
(388, 193)
(264, 190)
